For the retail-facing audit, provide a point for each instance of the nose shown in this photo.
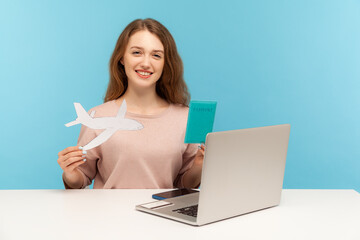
(145, 64)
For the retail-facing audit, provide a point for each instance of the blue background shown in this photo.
(265, 62)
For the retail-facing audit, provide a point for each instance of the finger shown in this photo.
(69, 149)
(75, 153)
(73, 160)
(74, 165)
(201, 146)
(62, 161)
(200, 152)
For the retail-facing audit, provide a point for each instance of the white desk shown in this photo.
(110, 214)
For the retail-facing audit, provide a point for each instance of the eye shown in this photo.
(136, 52)
(157, 56)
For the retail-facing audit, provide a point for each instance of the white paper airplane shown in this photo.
(110, 124)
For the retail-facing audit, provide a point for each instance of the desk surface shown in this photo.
(111, 214)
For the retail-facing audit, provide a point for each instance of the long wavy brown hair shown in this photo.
(171, 85)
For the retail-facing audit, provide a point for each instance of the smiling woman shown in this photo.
(146, 71)
(171, 84)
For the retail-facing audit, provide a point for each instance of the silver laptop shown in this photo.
(243, 172)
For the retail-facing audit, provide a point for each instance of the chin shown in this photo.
(144, 84)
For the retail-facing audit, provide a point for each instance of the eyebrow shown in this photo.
(143, 49)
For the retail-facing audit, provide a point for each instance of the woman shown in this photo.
(147, 71)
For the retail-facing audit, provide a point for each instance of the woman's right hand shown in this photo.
(70, 158)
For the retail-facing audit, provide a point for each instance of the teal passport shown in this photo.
(200, 121)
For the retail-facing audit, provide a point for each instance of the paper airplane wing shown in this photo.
(122, 110)
(80, 111)
(105, 135)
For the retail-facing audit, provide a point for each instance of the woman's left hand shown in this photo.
(192, 177)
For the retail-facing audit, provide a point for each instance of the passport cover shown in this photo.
(200, 121)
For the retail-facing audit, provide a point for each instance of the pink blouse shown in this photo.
(153, 157)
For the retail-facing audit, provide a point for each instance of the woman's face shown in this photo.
(143, 60)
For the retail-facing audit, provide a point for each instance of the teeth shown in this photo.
(144, 73)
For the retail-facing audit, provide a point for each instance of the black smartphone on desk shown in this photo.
(173, 193)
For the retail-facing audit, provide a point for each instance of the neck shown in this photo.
(143, 102)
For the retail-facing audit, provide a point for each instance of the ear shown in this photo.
(122, 61)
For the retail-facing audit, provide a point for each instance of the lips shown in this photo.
(143, 73)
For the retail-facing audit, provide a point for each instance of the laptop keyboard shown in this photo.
(190, 211)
